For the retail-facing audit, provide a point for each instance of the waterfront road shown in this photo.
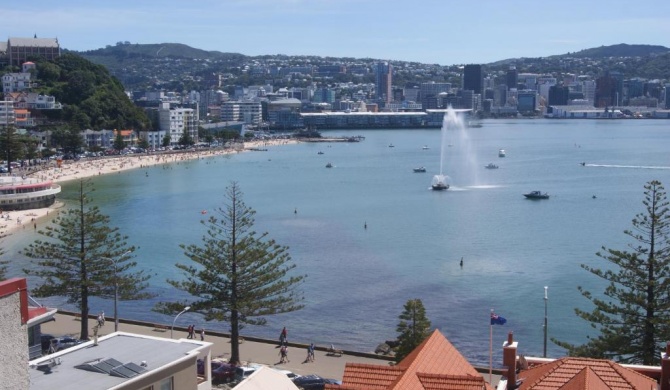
(252, 350)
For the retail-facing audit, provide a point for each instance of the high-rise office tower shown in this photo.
(383, 81)
(473, 78)
(512, 78)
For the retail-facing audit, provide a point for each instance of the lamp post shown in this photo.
(116, 288)
(187, 308)
(546, 298)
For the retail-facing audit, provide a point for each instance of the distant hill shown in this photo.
(620, 50)
(156, 50)
(174, 66)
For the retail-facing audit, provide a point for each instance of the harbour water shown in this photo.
(370, 234)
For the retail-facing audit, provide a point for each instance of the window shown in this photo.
(166, 384)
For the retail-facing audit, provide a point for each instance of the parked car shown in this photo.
(59, 343)
(242, 372)
(221, 371)
(314, 382)
(225, 372)
(46, 341)
(290, 374)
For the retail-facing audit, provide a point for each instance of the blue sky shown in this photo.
(443, 32)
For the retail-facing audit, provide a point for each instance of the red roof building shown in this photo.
(571, 373)
(434, 365)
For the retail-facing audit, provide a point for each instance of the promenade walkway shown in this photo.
(252, 350)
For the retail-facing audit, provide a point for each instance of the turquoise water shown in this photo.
(359, 278)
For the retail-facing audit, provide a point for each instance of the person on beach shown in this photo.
(283, 353)
(310, 353)
(282, 337)
(202, 334)
(101, 319)
(189, 330)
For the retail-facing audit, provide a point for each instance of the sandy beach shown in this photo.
(11, 221)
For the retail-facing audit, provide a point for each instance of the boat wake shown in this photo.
(625, 166)
(485, 186)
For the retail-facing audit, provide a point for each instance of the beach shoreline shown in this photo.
(13, 221)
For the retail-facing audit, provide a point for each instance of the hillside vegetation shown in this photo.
(91, 97)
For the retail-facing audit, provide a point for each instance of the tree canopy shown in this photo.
(238, 276)
(91, 97)
(413, 328)
(633, 317)
(83, 256)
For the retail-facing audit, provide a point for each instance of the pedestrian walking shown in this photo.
(283, 353)
(190, 332)
(283, 337)
(101, 319)
(202, 334)
(310, 353)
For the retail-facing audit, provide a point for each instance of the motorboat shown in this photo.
(391, 146)
(425, 147)
(420, 169)
(536, 195)
(320, 152)
(439, 183)
(501, 153)
(329, 165)
(491, 166)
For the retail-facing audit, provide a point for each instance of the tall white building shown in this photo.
(6, 113)
(177, 121)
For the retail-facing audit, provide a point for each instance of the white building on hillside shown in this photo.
(14, 82)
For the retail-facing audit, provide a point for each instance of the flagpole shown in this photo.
(490, 348)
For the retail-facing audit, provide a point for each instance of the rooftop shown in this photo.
(84, 366)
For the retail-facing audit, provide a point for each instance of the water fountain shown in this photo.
(454, 125)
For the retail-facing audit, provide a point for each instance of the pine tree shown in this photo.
(75, 258)
(239, 276)
(634, 316)
(413, 327)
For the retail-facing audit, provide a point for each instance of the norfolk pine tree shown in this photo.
(634, 318)
(76, 258)
(413, 327)
(239, 276)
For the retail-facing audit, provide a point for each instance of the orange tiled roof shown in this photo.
(581, 374)
(370, 376)
(434, 365)
(451, 382)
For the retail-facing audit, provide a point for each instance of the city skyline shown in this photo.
(385, 30)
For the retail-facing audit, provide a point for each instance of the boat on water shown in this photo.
(536, 195)
(18, 193)
(501, 153)
(425, 147)
(420, 169)
(329, 165)
(491, 166)
(320, 152)
(391, 146)
(439, 183)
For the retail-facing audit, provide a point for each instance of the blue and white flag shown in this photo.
(497, 320)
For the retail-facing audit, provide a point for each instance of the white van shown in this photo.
(242, 372)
